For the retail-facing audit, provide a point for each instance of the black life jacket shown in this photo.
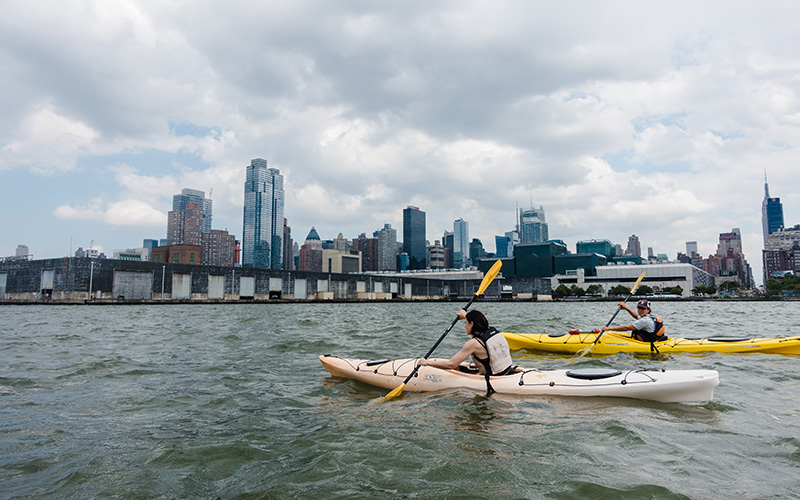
(657, 334)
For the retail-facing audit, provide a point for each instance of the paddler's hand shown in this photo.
(606, 328)
(422, 362)
(462, 314)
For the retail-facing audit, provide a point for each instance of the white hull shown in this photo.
(665, 386)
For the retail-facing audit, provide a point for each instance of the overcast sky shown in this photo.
(658, 119)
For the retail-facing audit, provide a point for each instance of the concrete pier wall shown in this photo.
(78, 280)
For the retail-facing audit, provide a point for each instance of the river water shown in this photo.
(230, 401)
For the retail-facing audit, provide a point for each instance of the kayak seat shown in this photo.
(593, 373)
(728, 339)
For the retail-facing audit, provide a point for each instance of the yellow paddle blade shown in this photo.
(490, 275)
(637, 283)
(395, 392)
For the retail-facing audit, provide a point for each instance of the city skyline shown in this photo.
(365, 109)
(258, 171)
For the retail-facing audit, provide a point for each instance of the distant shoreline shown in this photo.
(116, 302)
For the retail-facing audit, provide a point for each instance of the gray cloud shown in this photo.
(600, 112)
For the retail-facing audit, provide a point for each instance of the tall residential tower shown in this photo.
(179, 202)
(262, 234)
(532, 226)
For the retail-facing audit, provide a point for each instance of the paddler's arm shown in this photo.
(452, 363)
(630, 311)
(624, 328)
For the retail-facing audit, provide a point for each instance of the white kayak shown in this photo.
(657, 385)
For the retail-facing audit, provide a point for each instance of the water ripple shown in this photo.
(230, 401)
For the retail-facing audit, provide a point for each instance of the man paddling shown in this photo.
(646, 327)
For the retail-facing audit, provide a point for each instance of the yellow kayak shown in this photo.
(614, 342)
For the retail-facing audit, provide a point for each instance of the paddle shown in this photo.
(487, 280)
(585, 350)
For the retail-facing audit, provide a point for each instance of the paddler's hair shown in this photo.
(479, 322)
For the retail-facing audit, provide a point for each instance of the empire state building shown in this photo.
(771, 213)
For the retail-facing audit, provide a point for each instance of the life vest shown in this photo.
(499, 361)
(497, 348)
(657, 335)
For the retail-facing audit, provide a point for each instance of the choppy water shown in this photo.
(230, 401)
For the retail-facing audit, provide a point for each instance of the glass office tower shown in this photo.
(262, 234)
(460, 243)
(414, 237)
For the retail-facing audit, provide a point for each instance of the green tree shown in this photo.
(594, 289)
(561, 291)
(729, 286)
(704, 290)
(619, 291)
(644, 290)
(791, 282)
(774, 287)
(577, 291)
(676, 290)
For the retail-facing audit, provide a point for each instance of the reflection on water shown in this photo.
(476, 414)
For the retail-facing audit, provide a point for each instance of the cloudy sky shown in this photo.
(619, 118)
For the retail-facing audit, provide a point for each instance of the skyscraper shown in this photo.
(634, 246)
(730, 243)
(288, 245)
(185, 226)
(310, 258)
(460, 243)
(691, 248)
(414, 237)
(447, 243)
(501, 246)
(771, 213)
(387, 248)
(262, 240)
(179, 202)
(476, 252)
(532, 226)
(436, 255)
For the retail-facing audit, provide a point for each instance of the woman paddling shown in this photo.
(488, 348)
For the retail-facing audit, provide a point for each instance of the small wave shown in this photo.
(594, 491)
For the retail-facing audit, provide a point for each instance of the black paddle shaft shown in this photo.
(416, 367)
(619, 308)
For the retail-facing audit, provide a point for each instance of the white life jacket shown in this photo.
(497, 348)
